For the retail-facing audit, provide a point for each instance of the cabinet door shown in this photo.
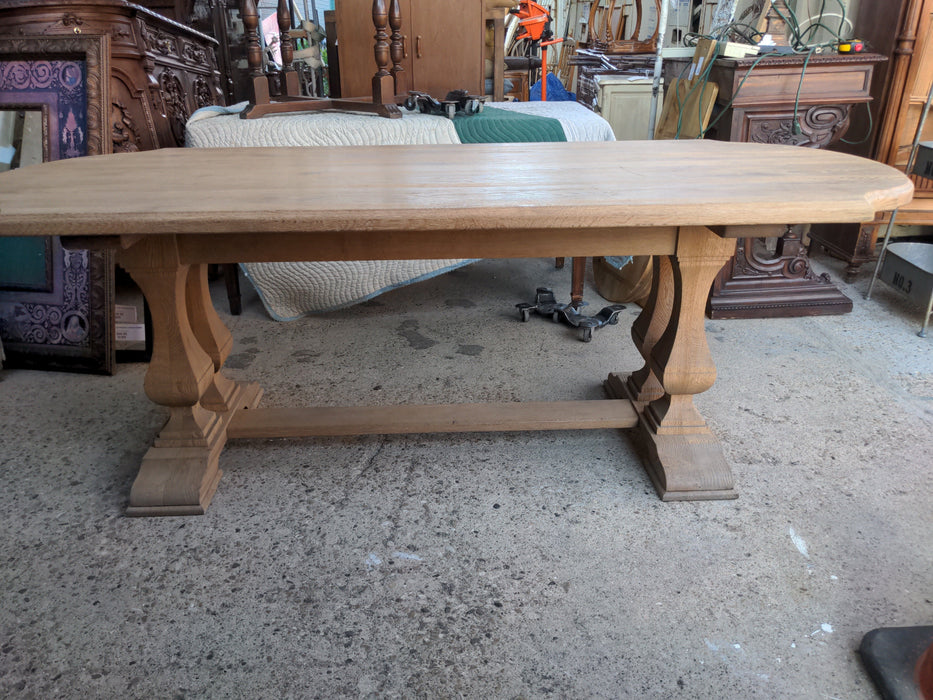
(442, 39)
(355, 44)
(627, 108)
(446, 46)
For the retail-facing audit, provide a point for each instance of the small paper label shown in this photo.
(130, 332)
(125, 314)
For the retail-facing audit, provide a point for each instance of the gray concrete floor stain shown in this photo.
(512, 565)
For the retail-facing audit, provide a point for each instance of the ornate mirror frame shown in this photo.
(70, 324)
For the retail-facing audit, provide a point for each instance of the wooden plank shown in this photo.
(689, 101)
(411, 245)
(687, 110)
(439, 418)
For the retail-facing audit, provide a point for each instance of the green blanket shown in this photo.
(502, 126)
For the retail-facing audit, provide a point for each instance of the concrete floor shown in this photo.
(478, 566)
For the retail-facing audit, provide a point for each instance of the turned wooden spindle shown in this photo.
(284, 19)
(397, 47)
(381, 47)
(250, 16)
(383, 83)
(290, 85)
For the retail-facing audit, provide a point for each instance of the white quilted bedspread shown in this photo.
(291, 290)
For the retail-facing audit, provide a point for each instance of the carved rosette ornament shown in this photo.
(124, 133)
(69, 19)
(820, 126)
(121, 32)
(176, 107)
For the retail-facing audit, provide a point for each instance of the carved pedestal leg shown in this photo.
(222, 395)
(643, 386)
(179, 474)
(685, 459)
(756, 285)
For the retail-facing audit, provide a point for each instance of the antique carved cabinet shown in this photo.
(101, 76)
(791, 100)
(160, 70)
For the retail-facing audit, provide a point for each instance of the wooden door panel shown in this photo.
(447, 46)
(355, 41)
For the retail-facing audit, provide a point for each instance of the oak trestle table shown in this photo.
(168, 213)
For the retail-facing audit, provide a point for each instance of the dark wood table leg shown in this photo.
(232, 280)
(757, 285)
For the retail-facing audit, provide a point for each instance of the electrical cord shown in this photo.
(799, 45)
(735, 94)
(803, 72)
(871, 126)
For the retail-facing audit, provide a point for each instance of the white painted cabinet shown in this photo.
(625, 102)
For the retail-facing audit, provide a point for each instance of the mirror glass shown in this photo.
(20, 138)
(24, 262)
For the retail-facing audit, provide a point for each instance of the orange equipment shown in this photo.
(535, 21)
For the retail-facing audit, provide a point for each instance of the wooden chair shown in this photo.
(384, 98)
(289, 99)
(607, 25)
(279, 91)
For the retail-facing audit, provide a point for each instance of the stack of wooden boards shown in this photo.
(690, 99)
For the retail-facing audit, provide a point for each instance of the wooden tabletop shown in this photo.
(446, 188)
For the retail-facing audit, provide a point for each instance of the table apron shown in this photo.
(424, 245)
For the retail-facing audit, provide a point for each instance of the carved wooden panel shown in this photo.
(161, 70)
(64, 320)
(794, 101)
(762, 105)
(814, 127)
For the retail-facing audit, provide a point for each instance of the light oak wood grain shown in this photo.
(445, 189)
(169, 212)
(437, 418)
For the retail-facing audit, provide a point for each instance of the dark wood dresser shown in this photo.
(133, 79)
(791, 100)
(160, 70)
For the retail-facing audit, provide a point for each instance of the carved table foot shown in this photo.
(687, 467)
(178, 475)
(682, 467)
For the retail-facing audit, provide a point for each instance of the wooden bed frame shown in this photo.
(386, 16)
(388, 47)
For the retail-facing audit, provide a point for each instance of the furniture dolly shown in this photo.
(169, 213)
